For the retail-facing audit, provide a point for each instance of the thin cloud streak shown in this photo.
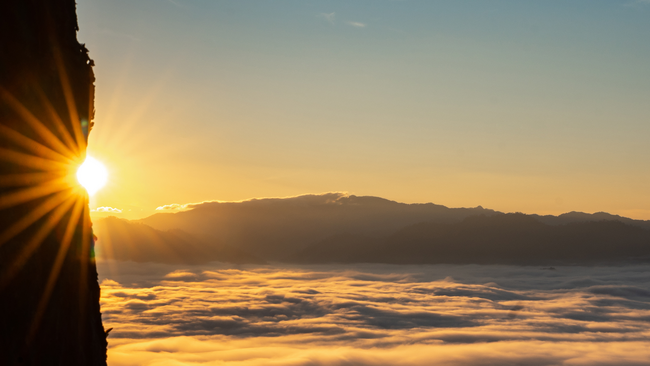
(358, 24)
(106, 209)
(330, 17)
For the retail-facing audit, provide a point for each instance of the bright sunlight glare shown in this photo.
(92, 175)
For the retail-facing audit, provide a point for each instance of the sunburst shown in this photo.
(40, 194)
(92, 175)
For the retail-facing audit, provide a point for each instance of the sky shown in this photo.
(518, 106)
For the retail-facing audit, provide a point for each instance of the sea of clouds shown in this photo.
(375, 315)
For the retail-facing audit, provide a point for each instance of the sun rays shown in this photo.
(46, 168)
(45, 185)
(48, 178)
(43, 138)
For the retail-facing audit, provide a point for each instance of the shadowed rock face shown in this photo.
(49, 295)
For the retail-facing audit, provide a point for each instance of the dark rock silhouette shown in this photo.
(49, 295)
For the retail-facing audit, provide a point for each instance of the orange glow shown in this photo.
(92, 175)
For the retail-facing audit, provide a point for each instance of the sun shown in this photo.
(92, 175)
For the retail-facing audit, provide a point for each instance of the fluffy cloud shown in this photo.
(377, 315)
(172, 207)
(106, 209)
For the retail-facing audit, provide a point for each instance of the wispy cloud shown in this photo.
(106, 209)
(330, 17)
(172, 207)
(357, 24)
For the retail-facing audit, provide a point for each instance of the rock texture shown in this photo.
(49, 295)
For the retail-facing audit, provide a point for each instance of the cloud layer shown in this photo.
(106, 209)
(172, 207)
(378, 315)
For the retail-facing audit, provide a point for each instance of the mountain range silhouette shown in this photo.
(338, 228)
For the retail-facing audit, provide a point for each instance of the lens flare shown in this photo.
(92, 175)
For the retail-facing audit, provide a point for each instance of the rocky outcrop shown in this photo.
(49, 295)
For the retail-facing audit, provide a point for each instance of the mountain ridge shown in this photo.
(121, 239)
(499, 239)
(335, 227)
(272, 227)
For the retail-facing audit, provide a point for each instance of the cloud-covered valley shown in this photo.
(375, 315)
(456, 287)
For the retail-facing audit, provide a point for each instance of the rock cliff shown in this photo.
(49, 295)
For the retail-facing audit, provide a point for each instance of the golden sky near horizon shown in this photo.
(536, 107)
